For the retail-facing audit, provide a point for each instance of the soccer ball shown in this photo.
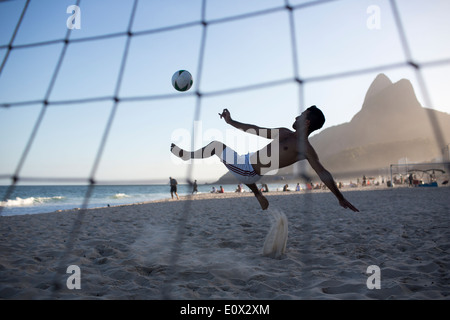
(182, 80)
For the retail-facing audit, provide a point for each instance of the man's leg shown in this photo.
(261, 199)
(208, 151)
(203, 153)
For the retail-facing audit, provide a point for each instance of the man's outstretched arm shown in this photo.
(249, 128)
(327, 178)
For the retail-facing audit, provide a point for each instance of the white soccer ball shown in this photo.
(182, 80)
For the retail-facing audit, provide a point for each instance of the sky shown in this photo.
(331, 38)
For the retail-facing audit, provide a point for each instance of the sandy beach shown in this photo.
(211, 247)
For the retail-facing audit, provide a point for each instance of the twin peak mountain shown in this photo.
(391, 125)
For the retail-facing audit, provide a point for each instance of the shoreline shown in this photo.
(231, 195)
(228, 195)
(108, 200)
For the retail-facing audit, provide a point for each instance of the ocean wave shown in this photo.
(120, 196)
(31, 201)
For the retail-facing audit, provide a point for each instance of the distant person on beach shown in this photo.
(194, 187)
(264, 188)
(286, 148)
(173, 187)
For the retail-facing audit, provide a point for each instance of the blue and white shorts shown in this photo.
(239, 166)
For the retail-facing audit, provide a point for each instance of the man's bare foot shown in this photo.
(180, 153)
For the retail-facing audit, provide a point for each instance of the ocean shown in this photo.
(41, 199)
(46, 198)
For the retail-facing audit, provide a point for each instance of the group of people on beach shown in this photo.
(220, 190)
(309, 186)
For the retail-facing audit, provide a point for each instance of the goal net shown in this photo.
(85, 93)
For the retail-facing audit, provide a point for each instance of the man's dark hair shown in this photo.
(315, 117)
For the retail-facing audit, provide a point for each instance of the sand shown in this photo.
(212, 248)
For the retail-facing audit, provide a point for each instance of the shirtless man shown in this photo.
(287, 146)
